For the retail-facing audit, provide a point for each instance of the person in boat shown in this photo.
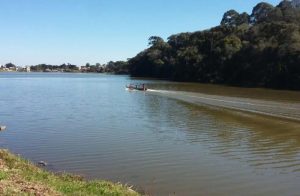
(140, 87)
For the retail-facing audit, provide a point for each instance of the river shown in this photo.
(176, 139)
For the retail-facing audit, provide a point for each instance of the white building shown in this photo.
(27, 68)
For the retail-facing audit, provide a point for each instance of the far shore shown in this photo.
(74, 71)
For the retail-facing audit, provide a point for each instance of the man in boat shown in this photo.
(140, 87)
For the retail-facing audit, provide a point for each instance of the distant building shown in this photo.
(84, 68)
(18, 68)
(12, 69)
(27, 69)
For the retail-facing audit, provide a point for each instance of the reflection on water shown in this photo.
(88, 124)
(257, 140)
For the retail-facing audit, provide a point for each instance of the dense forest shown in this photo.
(260, 49)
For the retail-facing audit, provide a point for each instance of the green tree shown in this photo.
(9, 65)
(262, 49)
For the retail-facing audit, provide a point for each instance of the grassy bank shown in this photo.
(21, 177)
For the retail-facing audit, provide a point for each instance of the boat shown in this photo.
(2, 128)
(137, 87)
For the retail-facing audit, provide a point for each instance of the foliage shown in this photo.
(47, 68)
(10, 65)
(260, 49)
(118, 67)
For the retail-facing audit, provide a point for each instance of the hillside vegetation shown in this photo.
(258, 49)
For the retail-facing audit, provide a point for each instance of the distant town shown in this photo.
(118, 67)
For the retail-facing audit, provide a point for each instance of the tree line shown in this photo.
(115, 67)
(261, 49)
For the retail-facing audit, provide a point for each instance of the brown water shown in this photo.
(178, 138)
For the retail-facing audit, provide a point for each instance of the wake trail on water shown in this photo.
(159, 91)
(285, 110)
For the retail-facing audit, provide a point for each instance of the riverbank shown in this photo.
(20, 177)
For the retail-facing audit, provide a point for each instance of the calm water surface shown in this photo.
(88, 124)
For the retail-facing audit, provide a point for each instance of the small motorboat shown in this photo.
(2, 128)
(137, 87)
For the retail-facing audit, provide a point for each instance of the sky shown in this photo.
(97, 31)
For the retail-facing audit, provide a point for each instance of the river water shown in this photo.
(176, 139)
